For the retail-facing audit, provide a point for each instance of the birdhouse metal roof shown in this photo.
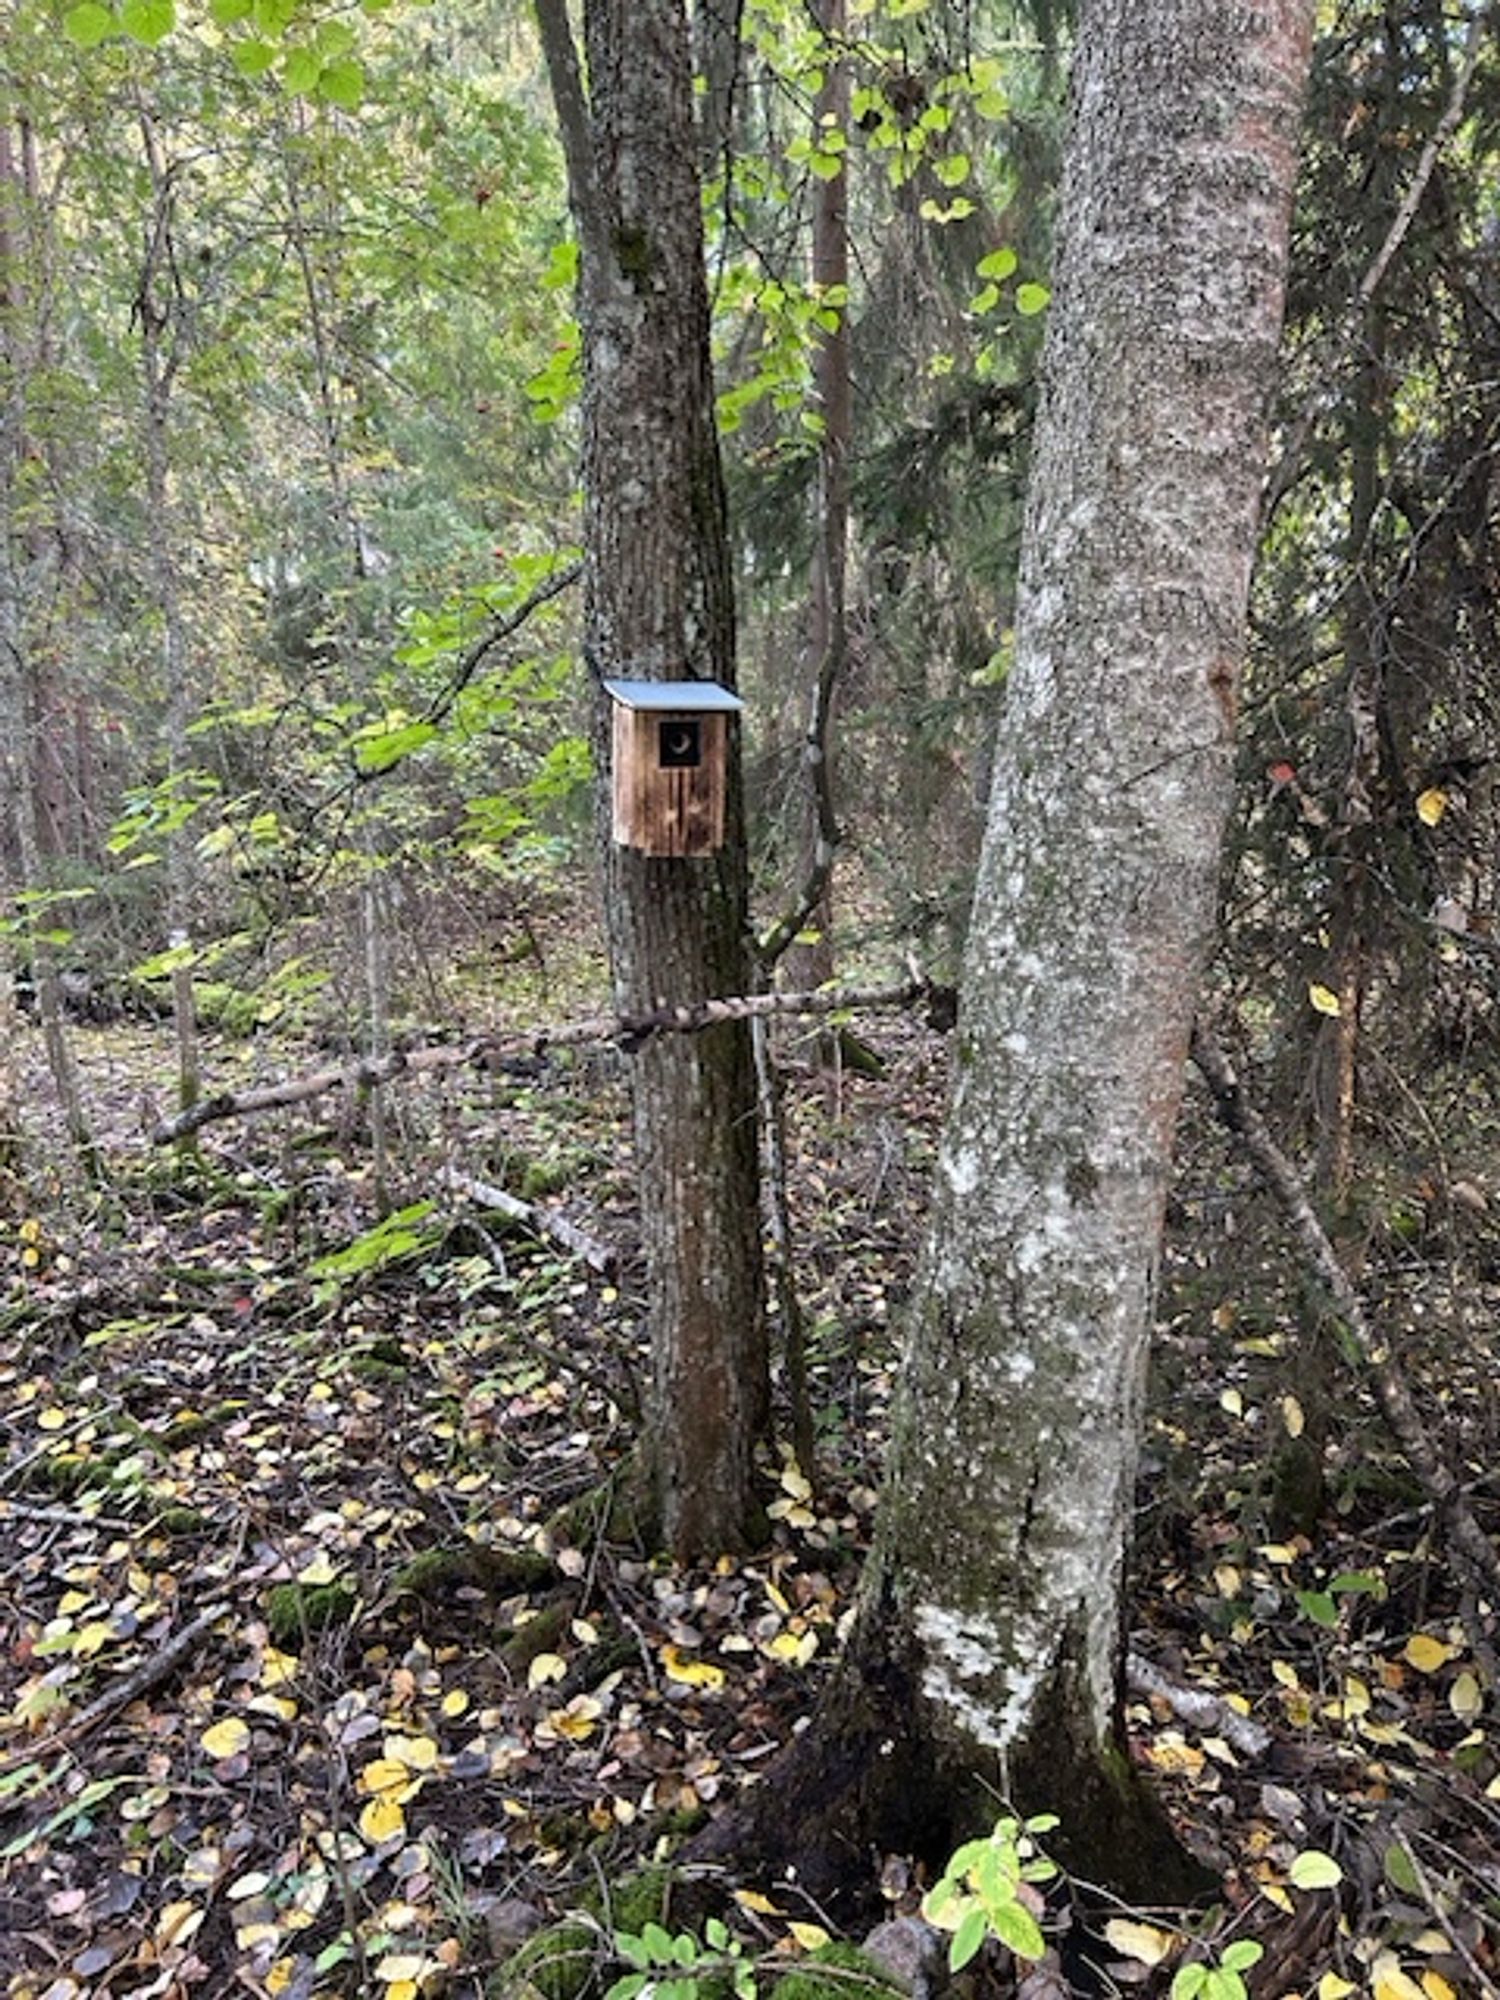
(694, 697)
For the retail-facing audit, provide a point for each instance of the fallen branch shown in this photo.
(598, 1256)
(1210, 1714)
(1466, 1538)
(119, 1694)
(628, 1031)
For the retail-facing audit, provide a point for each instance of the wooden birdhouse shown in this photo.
(671, 764)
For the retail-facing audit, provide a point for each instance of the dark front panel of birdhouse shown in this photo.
(669, 782)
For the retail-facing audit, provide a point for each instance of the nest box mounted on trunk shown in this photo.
(671, 764)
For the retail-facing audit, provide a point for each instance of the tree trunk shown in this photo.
(984, 1664)
(812, 964)
(659, 606)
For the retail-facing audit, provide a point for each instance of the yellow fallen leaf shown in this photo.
(227, 1738)
(1324, 1000)
(1170, 1754)
(795, 1482)
(276, 1667)
(402, 1989)
(382, 1820)
(1466, 1697)
(51, 1419)
(398, 1967)
(1331, 1987)
(546, 1667)
(1227, 1580)
(1425, 1653)
(455, 1701)
(418, 1753)
(1280, 1553)
(795, 1647)
(691, 1673)
(1143, 1942)
(1232, 1401)
(811, 1937)
(1292, 1416)
(281, 1975)
(1431, 805)
(756, 1903)
(1389, 1982)
(320, 1569)
(1436, 1987)
(385, 1774)
(575, 1722)
(178, 1922)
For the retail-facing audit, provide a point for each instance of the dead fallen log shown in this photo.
(628, 1032)
(541, 1221)
(1468, 1542)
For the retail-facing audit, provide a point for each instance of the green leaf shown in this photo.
(300, 71)
(1400, 1872)
(148, 21)
(660, 1945)
(1242, 1954)
(827, 166)
(1358, 1583)
(1015, 1926)
(1032, 299)
(628, 1987)
(1319, 1607)
(1188, 1981)
(227, 12)
(952, 171)
(967, 1939)
(1312, 1869)
(89, 24)
(342, 82)
(252, 58)
(632, 1949)
(999, 265)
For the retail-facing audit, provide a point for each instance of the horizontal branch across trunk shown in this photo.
(628, 1031)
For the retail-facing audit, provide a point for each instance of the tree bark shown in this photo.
(659, 606)
(985, 1659)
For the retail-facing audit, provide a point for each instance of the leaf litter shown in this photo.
(409, 1702)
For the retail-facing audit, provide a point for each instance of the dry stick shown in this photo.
(628, 1031)
(597, 1255)
(1208, 1713)
(1466, 1538)
(119, 1694)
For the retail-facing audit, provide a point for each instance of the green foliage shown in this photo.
(680, 1965)
(390, 1241)
(981, 1892)
(1224, 1981)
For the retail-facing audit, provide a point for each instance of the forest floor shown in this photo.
(300, 1695)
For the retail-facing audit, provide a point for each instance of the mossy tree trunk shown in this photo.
(659, 606)
(984, 1663)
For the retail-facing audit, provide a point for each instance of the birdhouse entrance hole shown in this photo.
(681, 744)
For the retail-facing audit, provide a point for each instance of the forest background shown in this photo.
(297, 758)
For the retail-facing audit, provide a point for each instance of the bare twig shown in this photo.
(1466, 1539)
(628, 1031)
(119, 1694)
(543, 1221)
(1199, 1708)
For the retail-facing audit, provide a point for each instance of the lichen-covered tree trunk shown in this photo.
(984, 1662)
(659, 606)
